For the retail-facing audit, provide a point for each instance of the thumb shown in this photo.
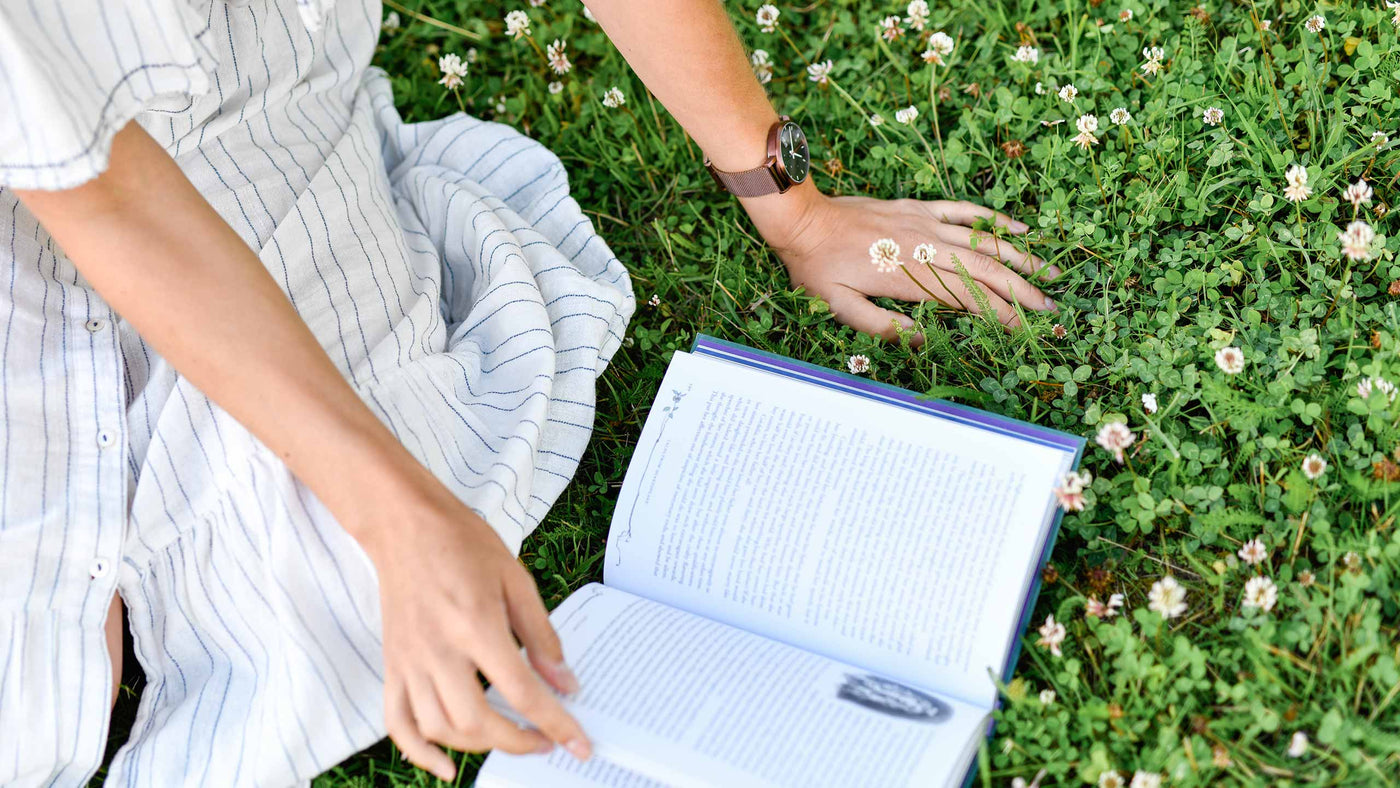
(530, 621)
(855, 310)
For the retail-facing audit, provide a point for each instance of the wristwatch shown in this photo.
(787, 164)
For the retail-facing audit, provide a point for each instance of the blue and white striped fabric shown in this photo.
(444, 268)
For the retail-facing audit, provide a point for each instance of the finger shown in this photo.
(990, 245)
(468, 722)
(1001, 310)
(965, 213)
(530, 621)
(403, 729)
(856, 311)
(502, 663)
(1005, 282)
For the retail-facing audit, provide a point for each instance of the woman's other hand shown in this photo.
(825, 244)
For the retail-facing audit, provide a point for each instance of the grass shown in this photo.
(1176, 242)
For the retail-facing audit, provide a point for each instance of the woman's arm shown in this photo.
(450, 591)
(689, 56)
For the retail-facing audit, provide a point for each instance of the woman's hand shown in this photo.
(451, 594)
(825, 243)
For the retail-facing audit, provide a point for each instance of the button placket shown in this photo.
(95, 325)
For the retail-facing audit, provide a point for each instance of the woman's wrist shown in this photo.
(785, 219)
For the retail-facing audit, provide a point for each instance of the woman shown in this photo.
(292, 380)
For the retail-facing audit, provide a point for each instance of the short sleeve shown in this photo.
(74, 72)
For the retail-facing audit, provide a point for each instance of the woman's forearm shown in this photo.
(167, 263)
(690, 57)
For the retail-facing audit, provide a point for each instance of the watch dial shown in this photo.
(792, 149)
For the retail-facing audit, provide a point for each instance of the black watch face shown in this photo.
(792, 149)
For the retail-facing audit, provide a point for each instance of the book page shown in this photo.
(685, 701)
(559, 769)
(895, 540)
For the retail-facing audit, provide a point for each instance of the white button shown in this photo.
(99, 568)
(96, 324)
(105, 438)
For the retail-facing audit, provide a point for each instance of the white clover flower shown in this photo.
(1120, 116)
(1315, 23)
(453, 70)
(1394, 5)
(1087, 125)
(517, 24)
(1230, 360)
(500, 105)
(1167, 597)
(1356, 240)
(613, 98)
(1026, 54)
(1365, 386)
(917, 14)
(1260, 593)
(1110, 779)
(1352, 561)
(906, 115)
(471, 55)
(1115, 437)
(924, 254)
(1103, 610)
(1149, 402)
(1069, 93)
(1047, 697)
(1052, 634)
(1298, 745)
(1254, 552)
(1070, 493)
(1358, 194)
(537, 3)
(392, 22)
(1306, 578)
(767, 18)
(940, 45)
(558, 61)
(891, 27)
(876, 119)
(655, 299)
(1152, 60)
(820, 73)
(858, 364)
(1297, 189)
(1314, 466)
(884, 255)
(1143, 779)
(1212, 116)
(1126, 15)
(1379, 138)
(762, 66)
(556, 87)
(1039, 89)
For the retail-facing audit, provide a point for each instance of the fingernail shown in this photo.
(578, 748)
(565, 678)
(1053, 271)
(1051, 305)
(1019, 227)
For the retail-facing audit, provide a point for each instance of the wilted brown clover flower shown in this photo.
(1015, 149)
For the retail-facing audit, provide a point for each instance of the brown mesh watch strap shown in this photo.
(749, 183)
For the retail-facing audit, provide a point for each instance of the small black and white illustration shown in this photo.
(894, 699)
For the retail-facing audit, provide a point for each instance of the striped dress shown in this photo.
(444, 268)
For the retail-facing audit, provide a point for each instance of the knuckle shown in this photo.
(469, 728)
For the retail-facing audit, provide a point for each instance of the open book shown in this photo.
(811, 579)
